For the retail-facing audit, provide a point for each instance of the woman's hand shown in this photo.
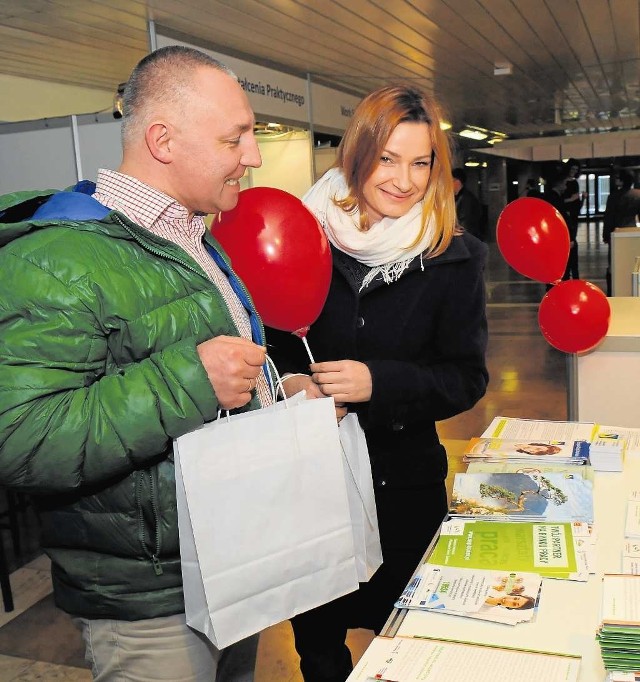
(295, 383)
(348, 381)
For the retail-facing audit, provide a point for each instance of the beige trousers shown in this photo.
(162, 650)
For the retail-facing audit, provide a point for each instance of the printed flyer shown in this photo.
(544, 548)
(501, 597)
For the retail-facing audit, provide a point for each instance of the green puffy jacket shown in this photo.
(99, 322)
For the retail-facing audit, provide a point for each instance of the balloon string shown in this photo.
(306, 345)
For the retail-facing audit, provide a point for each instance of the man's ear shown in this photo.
(158, 139)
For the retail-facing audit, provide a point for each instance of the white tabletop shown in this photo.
(568, 614)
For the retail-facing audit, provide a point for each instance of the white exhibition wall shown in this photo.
(36, 159)
(40, 155)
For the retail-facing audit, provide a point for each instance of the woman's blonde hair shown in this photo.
(373, 121)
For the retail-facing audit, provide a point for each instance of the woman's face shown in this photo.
(400, 179)
(536, 449)
(513, 601)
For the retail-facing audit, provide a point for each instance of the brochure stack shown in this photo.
(619, 631)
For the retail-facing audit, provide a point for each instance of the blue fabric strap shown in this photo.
(239, 290)
(257, 335)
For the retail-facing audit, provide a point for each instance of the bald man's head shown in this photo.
(162, 82)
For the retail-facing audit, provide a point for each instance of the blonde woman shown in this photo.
(400, 342)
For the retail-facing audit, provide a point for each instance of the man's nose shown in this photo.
(251, 156)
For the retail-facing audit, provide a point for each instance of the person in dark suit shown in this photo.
(554, 190)
(400, 342)
(468, 206)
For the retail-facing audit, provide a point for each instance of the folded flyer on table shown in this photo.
(507, 597)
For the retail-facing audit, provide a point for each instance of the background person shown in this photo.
(555, 185)
(400, 342)
(532, 188)
(121, 332)
(468, 206)
(573, 198)
(621, 182)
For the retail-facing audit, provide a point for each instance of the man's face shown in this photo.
(212, 144)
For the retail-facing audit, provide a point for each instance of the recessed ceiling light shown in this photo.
(473, 134)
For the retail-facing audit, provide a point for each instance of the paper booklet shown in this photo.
(512, 428)
(522, 496)
(408, 659)
(501, 597)
(527, 450)
(509, 466)
(554, 550)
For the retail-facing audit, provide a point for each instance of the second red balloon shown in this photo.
(533, 238)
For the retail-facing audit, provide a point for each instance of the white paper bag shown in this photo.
(263, 515)
(362, 503)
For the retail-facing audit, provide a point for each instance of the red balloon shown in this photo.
(574, 316)
(533, 238)
(281, 253)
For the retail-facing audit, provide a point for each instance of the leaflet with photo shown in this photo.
(527, 450)
(498, 596)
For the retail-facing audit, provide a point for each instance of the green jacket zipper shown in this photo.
(155, 555)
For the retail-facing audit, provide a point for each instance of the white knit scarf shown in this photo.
(384, 246)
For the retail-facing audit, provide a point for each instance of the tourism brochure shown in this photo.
(531, 450)
(522, 497)
(619, 631)
(424, 659)
(512, 428)
(554, 550)
(501, 597)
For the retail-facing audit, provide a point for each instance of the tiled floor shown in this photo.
(528, 378)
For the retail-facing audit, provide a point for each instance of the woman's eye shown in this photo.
(423, 164)
(385, 159)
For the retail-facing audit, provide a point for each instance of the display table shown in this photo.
(568, 614)
(625, 248)
(603, 384)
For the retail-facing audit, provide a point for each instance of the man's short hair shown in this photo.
(163, 75)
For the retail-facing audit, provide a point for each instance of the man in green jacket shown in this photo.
(122, 327)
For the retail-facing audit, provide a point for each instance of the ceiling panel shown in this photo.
(575, 63)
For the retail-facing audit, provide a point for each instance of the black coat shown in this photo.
(423, 338)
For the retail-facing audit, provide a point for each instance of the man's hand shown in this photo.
(233, 365)
(348, 381)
